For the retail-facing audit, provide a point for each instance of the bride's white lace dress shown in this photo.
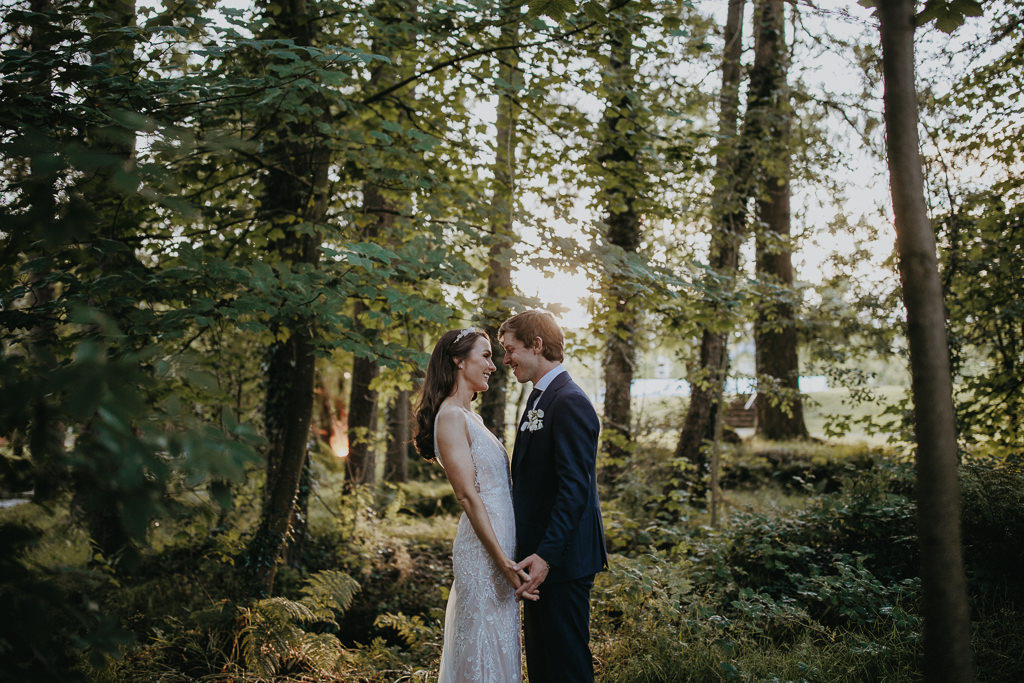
(481, 622)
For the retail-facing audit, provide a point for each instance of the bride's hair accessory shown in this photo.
(463, 333)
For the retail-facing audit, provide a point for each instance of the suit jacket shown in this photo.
(554, 485)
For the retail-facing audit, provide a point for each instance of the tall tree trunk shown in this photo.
(728, 213)
(396, 468)
(288, 412)
(294, 191)
(111, 221)
(619, 160)
(380, 210)
(296, 542)
(947, 633)
(780, 412)
(361, 465)
(46, 434)
(499, 279)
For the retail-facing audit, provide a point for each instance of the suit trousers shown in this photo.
(557, 633)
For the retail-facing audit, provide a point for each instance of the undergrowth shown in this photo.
(821, 587)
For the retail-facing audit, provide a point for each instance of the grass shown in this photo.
(659, 419)
(681, 601)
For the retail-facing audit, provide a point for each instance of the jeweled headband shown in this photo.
(463, 333)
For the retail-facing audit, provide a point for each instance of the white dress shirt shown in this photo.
(545, 381)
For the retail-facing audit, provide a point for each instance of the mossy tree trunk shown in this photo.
(779, 405)
(728, 211)
(499, 278)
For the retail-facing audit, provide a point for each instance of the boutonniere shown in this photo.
(534, 421)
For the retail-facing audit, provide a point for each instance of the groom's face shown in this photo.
(524, 361)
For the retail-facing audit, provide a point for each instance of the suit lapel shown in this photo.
(547, 397)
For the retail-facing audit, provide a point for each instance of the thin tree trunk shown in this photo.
(361, 466)
(729, 215)
(46, 434)
(300, 515)
(780, 408)
(499, 278)
(295, 187)
(399, 415)
(947, 633)
(110, 221)
(619, 161)
(288, 413)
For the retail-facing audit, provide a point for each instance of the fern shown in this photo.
(329, 593)
(272, 635)
(413, 631)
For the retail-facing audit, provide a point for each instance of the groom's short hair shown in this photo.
(529, 325)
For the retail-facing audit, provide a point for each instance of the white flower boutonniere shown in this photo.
(534, 421)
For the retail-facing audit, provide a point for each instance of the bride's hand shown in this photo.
(533, 595)
(517, 579)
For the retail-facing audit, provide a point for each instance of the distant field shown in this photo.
(661, 418)
(837, 402)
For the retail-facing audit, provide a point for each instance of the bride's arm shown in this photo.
(453, 443)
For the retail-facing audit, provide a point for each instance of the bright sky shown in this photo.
(863, 179)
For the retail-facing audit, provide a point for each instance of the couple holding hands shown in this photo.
(531, 530)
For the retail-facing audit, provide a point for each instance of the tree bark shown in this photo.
(728, 213)
(110, 222)
(361, 465)
(396, 467)
(288, 412)
(380, 211)
(46, 433)
(294, 190)
(499, 280)
(780, 407)
(619, 160)
(947, 654)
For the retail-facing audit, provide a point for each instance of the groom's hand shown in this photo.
(537, 569)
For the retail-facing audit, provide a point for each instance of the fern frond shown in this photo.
(320, 650)
(283, 610)
(329, 592)
(412, 630)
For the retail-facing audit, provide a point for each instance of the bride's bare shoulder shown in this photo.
(450, 416)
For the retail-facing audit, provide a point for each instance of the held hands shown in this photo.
(536, 571)
(517, 578)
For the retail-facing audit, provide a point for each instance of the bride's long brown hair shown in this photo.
(442, 371)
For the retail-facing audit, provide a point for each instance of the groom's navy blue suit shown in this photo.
(554, 494)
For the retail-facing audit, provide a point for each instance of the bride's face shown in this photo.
(476, 368)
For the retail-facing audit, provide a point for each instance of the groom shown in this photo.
(559, 535)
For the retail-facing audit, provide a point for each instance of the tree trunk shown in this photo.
(294, 191)
(360, 468)
(729, 216)
(380, 211)
(779, 408)
(399, 416)
(619, 160)
(288, 413)
(46, 434)
(499, 279)
(110, 221)
(300, 515)
(947, 654)
(361, 465)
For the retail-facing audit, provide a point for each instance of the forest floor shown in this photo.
(811, 576)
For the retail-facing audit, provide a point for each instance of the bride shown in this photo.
(481, 624)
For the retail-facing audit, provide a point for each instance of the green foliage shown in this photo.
(985, 331)
(274, 634)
